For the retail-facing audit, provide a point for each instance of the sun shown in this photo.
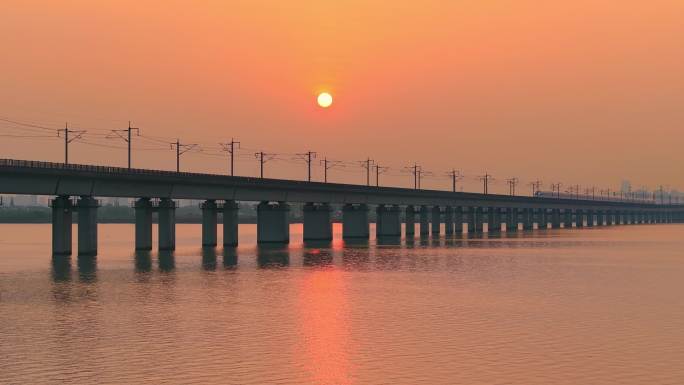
(324, 99)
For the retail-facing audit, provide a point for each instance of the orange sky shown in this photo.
(586, 92)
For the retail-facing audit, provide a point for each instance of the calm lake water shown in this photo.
(592, 306)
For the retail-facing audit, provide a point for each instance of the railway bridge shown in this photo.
(76, 187)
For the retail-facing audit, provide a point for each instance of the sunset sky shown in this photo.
(578, 92)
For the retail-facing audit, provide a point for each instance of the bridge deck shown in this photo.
(46, 178)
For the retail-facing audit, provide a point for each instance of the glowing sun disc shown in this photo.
(324, 99)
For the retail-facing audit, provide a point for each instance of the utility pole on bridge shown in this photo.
(230, 148)
(536, 187)
(308, 156)
(485, 181)
(367, 165)
(180, 150)
(127, 138)
(512, 182)
(67, 140)
(455, 175)
(378, 170)
(263, 158)
(328, 164)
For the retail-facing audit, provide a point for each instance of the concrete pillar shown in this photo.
(230, 223)
(355, 221)
(579, 218)
(143, 224)
(87, 225)
(493, 220)
(167, 224)
(410, 219)
(449, 220)
(388, 222)
(61, 225)
(317, 224)
(567, 218)
(542, 220)
(470, 219)
(590, 218)
(478, 219)
(209, 223)
(423, 220)
(609, 217)
(527, 219)
(458, 219)
(436, 220)
(511, 219)
(599, 218)
(273, 225)
(555, 219)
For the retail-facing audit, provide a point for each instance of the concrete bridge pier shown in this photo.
(61, 225)
(527, 220)
(449, 220)
(555, 219)
(273, 225)
(410, 219)
(477, 219)
(542, 220)
(567, 218)
(423, 220)
(143, 224)
(317, 224)
(511, 219)
(209, 223)
(579, 218)
(230, 223)
(436, 220)
(590, 218)
(458, 219)
(167, 224)
(493, 220)
(469, 214)
(355, 221)
(388, 223)
(87, 225)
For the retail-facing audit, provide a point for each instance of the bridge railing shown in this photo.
(18, 163)
(92, 168)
